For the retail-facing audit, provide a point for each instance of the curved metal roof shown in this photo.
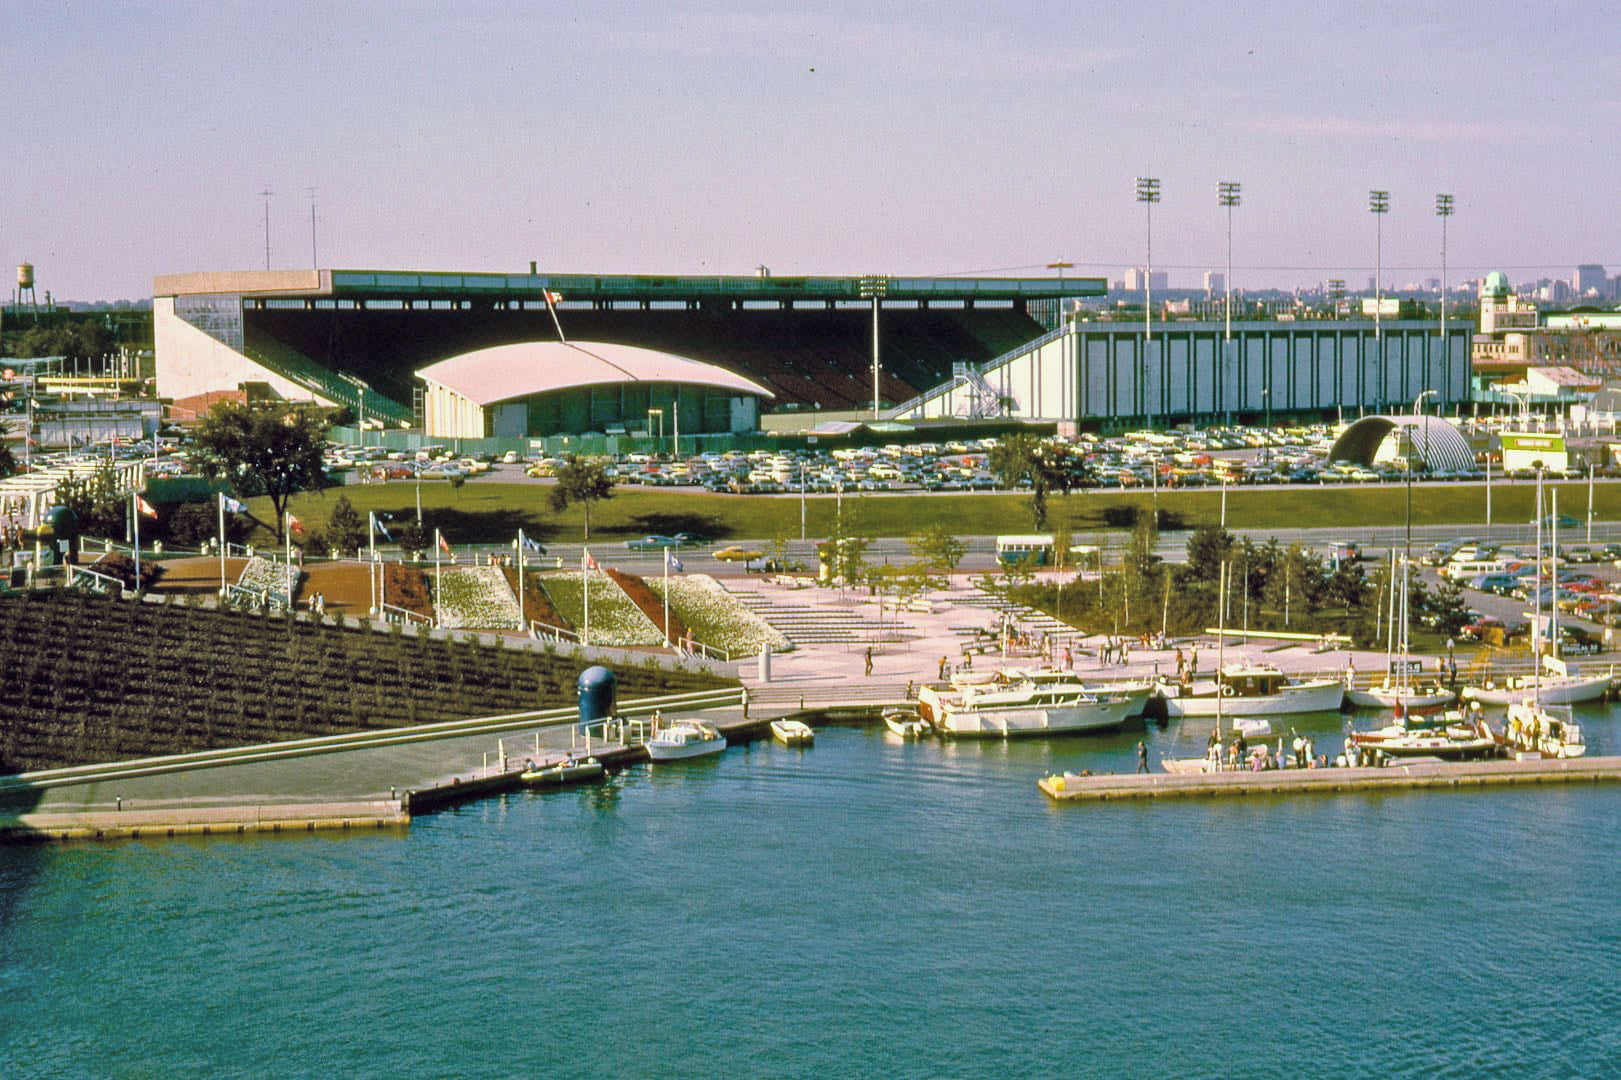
(1434, 441)
(505, 372)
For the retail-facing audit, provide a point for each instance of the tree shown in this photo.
(937, 548)
(582, 482)
(96, 502)
(1208, 547)
(345, 532)
(1021, 457)
(88, 340)
(272, 450)
(412, 538)
(8, 462)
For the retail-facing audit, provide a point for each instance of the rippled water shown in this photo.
(866, 907)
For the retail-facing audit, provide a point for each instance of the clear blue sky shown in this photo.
(868, 137)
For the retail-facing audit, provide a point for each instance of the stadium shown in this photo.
(362, 338)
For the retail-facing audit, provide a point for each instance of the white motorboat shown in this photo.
(792, 732)
(685, 739)
(906, 723)
(1533, 729)
(1137, 690)
(1251, 690)
(1026, 707)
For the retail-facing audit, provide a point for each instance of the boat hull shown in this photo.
(1554, 690)
(681, 746)
(792, 733)
(1013, 723)
(1324, 695)
(1411, 700)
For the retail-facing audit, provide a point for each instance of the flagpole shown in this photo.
(666, 598)
(135, 520)
(523, 617)
(219, 497)
(371, 567)
(287, 534)
(585, 593)
(438, 577)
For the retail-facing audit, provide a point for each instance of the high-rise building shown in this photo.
(1589, 278)
(1158, 280)
(1214, 282)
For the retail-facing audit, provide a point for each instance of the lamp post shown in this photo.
(1418, 403)
(660, 414)
(361, 386)
(872, 287)
(1443, 210)
(1148, 195)
(1378, 206)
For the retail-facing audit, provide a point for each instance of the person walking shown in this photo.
(869, 660)
(1142, 756)
(945, 663)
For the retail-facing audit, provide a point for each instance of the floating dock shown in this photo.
(204, 821)
(1434, 776)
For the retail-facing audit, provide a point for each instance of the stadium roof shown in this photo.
(504, 372)
(363, 285)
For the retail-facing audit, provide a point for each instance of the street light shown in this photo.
(1418, 403)
(660, 414)
(1228, 194)
(1379, 206)
(1148, 195)
(361, 386)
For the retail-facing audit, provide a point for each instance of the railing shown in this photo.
(979, 372)
(101, 581)
(395, 613)
(713, 652)
(546, 631)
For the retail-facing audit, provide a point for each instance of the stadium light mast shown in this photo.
(873, 287)
(1378, 206)
(266, 193)
(1148, 195)
(1443, 210)
(1229, 194)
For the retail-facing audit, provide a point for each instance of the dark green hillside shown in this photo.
(86, 679)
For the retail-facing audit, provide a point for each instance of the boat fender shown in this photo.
(1227, 691)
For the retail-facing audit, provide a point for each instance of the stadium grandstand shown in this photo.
(357, 337)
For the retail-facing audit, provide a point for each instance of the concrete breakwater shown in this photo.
(204, 821)
(1442, 776)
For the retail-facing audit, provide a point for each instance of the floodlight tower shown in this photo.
(1228, 194)
(1148, 195)
(1378, 206)
(1443, 210)
(873, 287)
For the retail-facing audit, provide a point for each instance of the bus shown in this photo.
(1032, 550)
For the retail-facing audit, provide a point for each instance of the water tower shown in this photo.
(25, 286)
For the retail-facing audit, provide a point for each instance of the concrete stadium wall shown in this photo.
(1110, 371)
(194, 363)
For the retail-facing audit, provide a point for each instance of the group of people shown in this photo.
(1301, 753)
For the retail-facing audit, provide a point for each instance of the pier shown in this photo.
(1428, 776)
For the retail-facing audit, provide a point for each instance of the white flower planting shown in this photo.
(614, 619)
(271, 577)
(476, 598)
(716, 618)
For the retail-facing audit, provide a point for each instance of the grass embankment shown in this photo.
(492, 512)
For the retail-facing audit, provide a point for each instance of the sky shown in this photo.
(907, 139)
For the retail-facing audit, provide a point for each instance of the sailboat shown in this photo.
(1398, 691)
(1530, 727)
(1560, 685)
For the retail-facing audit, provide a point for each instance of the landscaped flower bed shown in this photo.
(651, 604)
(261, 573)
(404, 587)
(614, 619)
(716, 619)
(476, 598)
(537, 606)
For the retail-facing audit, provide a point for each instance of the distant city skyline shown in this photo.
(873, 138)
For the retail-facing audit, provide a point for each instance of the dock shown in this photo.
(204, 821)
(1432, 776)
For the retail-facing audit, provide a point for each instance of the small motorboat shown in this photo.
(685, 739)
(906, 723)
(792, 732)
(567, 771)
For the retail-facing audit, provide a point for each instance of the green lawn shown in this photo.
(484, 512)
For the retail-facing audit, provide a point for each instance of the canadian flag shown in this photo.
(444, 545)
(294, 524)
(145, 507)
(586, 561)
(554, 297)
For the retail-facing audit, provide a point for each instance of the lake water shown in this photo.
(866, 907)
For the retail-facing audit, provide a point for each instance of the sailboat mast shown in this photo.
(1221, 641)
